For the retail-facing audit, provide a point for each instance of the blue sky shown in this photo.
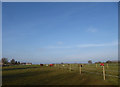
(60, 32)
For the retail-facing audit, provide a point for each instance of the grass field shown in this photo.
(59, 75)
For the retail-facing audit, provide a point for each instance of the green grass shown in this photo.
(59, 75)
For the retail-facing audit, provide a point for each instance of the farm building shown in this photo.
(26, 63)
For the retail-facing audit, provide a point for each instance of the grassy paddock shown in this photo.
(59, 75)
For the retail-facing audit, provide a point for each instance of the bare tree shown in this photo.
(108, 61)
(18, 62)
(5, 61)
(90, 61)
(12, 61)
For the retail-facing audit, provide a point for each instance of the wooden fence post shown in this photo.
(107, 65)
(55, 65)
(80, 69)
(58, 66)
(96, 65)
(70, 67)
(103, 73)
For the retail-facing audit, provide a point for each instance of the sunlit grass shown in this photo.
(59, 75)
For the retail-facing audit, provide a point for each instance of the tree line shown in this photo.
(11, 62)
(108, 61)
(14, 62)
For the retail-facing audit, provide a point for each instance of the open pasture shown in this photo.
(60, 74)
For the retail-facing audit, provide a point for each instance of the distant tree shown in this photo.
(62, 63)
(99, 62)
(12, 61)
(119, 61)
(108, 61)
(96, 62)
(18, 62)
(90, 61)
(5, 61)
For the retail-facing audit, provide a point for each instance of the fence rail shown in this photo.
(93, 69)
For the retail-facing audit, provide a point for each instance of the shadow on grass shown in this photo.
(18, 68)
(14, 77)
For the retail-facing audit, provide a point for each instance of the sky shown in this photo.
(55, 32)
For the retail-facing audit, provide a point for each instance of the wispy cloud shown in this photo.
(59, 42)
(59, 47)
(93, 30)
(98, 45)
(114, 43)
